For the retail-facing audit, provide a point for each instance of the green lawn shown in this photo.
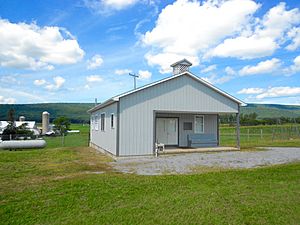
(284, 135)
(71, 140)
(60, 186)
(76, 185)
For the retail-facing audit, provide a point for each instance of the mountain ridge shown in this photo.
(77, 112)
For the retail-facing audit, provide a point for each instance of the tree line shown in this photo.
(253, 120)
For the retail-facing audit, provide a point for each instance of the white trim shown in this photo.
(195, 124)
(93, 122)
(97, 122)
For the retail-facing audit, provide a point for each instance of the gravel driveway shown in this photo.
(184, 163)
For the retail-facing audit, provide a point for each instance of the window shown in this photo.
(187, 126)
(199, 124)
(112, 122)
(102, 121)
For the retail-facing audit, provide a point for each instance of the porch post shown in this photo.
(238, 129)
(154, 132)
(218, 129)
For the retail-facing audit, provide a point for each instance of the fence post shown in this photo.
(248, 135)
(261, 134)
(272, 134)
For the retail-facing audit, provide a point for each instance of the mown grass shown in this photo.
(77, 185)
(58, 186)
(70, 140)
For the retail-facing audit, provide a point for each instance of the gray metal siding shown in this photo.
(210, 125)
(106, 139)
(182, 94)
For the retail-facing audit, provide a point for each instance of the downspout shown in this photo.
(118, 130)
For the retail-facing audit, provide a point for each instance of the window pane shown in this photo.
(102, 121)
(199, 124)
(112, 121)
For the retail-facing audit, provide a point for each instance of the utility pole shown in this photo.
(134, 78)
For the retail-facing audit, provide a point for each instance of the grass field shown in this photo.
(258, 136)
(261, 136)
(76, 185)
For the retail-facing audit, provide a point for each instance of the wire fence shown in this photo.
(262, 134)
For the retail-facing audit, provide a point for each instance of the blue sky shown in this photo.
(79, 50)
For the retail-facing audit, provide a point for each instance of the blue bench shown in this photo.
(202, 140)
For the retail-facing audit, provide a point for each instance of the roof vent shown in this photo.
(181, 66)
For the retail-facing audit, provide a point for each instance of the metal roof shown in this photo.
(182, 62)
(117, 98)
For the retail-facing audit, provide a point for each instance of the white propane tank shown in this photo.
(22, 144)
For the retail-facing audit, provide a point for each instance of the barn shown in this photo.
(180, 111)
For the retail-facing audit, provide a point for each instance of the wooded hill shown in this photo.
(77, 112)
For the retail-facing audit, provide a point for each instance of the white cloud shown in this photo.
(28, 46)
(274, 92)
(263, 67)
(250, 91)
(21, 95)
(229, 71)
(164, 60)
(123, 71)
(187, 28)
(106, 7)
(58, 83)
(144, 75)
(9, 79)
(95, 62)
(7, 100)
(296, 66)
(294, 34)
(265, 36)
(94, 78)
(215, 79)
(209, 69)
(39, 82)
(244, 48)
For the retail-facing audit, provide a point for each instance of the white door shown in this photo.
(167, 131)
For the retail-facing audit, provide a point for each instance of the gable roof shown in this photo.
(188, 73)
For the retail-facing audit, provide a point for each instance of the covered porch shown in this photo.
(182, 132)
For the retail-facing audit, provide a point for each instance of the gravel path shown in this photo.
(184, 163)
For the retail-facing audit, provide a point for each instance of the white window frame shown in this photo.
(195, 130)
(112, 121)
(92, 121)
(102, 123)
(97, 122)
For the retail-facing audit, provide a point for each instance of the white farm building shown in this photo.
(180, 111)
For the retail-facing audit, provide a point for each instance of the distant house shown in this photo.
(30, 125)
(182, 111)
(3, 125)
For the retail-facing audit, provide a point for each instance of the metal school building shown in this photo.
(180, 111)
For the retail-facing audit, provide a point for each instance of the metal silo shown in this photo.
(45, 122)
